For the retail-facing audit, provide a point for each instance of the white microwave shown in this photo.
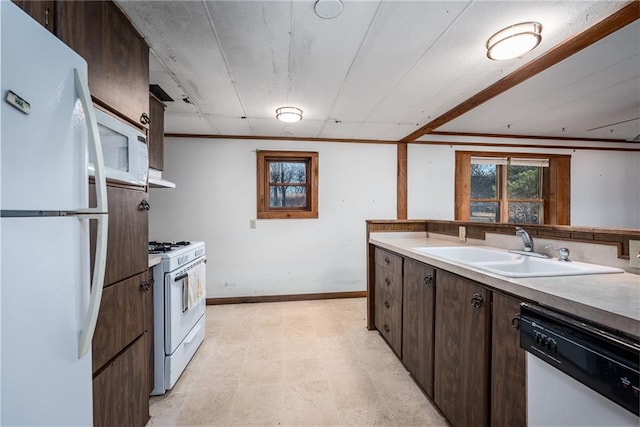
(125, 151)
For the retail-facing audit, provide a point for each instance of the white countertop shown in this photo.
(154, 260)
(612, 300)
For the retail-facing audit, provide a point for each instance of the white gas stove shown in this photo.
(179, 291)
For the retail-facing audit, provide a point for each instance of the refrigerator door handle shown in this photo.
(97, 283)
(98, 213)
(82, 87)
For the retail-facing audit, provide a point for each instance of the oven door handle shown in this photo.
(185, 293)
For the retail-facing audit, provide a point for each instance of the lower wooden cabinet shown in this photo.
(122, 318)
(461, 387)
(417, 322)
(388, 291)
(508, 366)
(120, 387)
(456, 337)
(122, 342)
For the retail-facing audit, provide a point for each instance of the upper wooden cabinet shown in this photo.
(117, 55)
(41, 11)
(156, 133)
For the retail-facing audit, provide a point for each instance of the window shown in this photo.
(522, 189)
(287, 184)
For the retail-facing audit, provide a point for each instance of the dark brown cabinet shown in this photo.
(127, 250)
(388, 291)
(461, 387)
(156, 133)
(117, 55)
(122, 343)
(122, 318)
(417, 322)
(508, 365)
(120, 388)
(41, 10)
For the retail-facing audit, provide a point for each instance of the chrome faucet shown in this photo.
(528, 244)
(526, 239)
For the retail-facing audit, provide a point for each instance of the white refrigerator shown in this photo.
(48, 301)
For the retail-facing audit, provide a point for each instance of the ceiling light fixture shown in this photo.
(328, 9)
(514, 41)
(289, 114)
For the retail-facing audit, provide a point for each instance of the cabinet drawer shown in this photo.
(389, 282)
(128, 239)
(120, 395)
(389, 261)
(122, 318)
(389, 319)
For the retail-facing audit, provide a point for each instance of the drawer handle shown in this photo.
(387, 260)
(427, 280)
(515, 322)
(145, 119)
(387, 281)
(476, 300)
(145, 286)
(386, 304)
(144, 206)
(386, 328)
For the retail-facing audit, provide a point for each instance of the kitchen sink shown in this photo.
(468, 254)
(509, 264)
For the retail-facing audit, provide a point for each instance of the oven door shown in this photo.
(185, 291)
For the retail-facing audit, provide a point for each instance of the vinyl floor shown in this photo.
(303, 363)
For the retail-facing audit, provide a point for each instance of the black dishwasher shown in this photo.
(605, 361)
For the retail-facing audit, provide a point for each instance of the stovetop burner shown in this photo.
(163, 247)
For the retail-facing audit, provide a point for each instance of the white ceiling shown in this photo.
(384, 68)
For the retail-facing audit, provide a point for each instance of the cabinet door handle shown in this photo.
(387, 281)
(386, 328)
(387, 260)
(476, 300)
(386, 304)
(145, 286)
(145, 119)
(144, 206)
(515, 322)
(427, 280)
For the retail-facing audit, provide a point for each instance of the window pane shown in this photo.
(485, 212)
(523, 182)
(288, 196)
(294, 172)
(525, 212)
(483, 181)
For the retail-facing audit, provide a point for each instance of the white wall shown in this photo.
(215, 199)
(605, 189)
(605, 185)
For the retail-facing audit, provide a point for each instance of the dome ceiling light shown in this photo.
(328, 9)
(514, 41)
(289, 114)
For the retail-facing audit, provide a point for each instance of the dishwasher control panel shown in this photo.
(603, 361)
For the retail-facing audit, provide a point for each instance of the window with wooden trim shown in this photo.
(519, 188)
(287, 184)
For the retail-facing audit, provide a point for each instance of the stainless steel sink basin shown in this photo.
(513, 265)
